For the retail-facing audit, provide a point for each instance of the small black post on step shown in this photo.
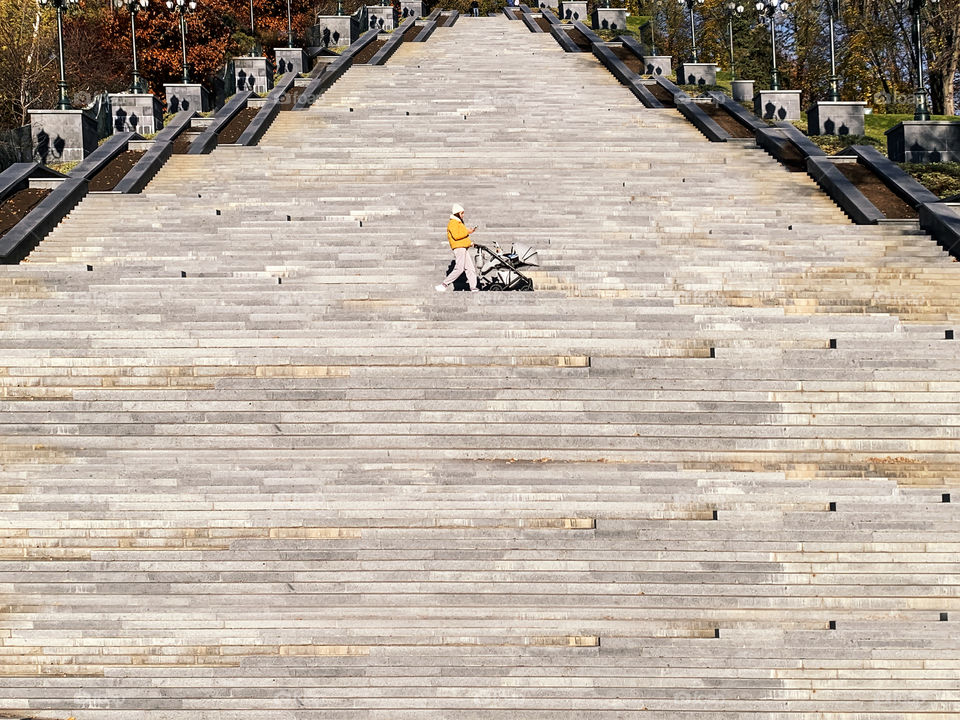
(833, 507)
(832, 625)
(716, 632)
(183, 273)
(218, 212)
(288, 218)
(944, 617)
(279, 281)
(833, 343)
(714, 514)
(89, 268)
(948, 334)
(945, 498)
(713, 352)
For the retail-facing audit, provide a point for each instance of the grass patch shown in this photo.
(702, 90)
(875, 125)
(942, 179)
(64, 167)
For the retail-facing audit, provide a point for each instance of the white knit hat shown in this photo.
(457, 209)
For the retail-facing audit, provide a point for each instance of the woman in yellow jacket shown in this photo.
(458, 235)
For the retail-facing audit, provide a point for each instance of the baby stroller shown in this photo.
(498, 271)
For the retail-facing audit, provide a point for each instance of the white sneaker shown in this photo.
(474, 290)
(441, 288)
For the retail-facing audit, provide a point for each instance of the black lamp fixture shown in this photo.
(60, 6)
(768, 10)
(134, 6)
(733, 9)
(693, 26)
(182, 7)
(915, 8)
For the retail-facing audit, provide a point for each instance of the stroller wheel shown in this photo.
(526, 287)
(495, 287)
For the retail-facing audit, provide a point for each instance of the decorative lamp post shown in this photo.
(693, 26)
(833, 7)
(60, 5)
(289, 26)
(182, 7)
(732, 9)
(339, 7)
(134, 6)
(768, 9)
(915, 8)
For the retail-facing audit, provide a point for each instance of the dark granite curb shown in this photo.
(803, 143)
(668, 85)
(550, 17)
(943, 224)
(843, 192)
(625, 75)
(427, 31)
(510, 15)
(434, 16)
(631, 44)
(393, 42)
(901, 184)
(701, 121)
(161, 150)
(452, 20)
(531, 23)
(738, 111)
(268, 113)
(333, 71)
(101, 157)
(27, 234)
(587, 32)
(564, 40)
(205, 143)
(17, 177)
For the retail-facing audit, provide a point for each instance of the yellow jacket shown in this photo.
(457, 234)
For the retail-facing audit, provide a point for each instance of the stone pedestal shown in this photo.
(742, 90)
(136, 112)
(290, 60)
(380, 16)
(921, 141)
(62, 135)
(697, 74)
(610, 19)
(252, 73)
(332, 31)
(658, 65)
(835, 118)
(412, 8)
(187, 96)
(777, 104)
(573, 10)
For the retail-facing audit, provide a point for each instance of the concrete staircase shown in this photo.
(254, 466)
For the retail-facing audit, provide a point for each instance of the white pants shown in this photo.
(463, 263)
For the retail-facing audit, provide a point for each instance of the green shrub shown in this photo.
(942, 179)
(832, 144)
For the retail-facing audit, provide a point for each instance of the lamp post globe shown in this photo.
(133, 6)
(59, 6)
(690, 4)
(733, 9)
(768, 10)
(915, 8)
